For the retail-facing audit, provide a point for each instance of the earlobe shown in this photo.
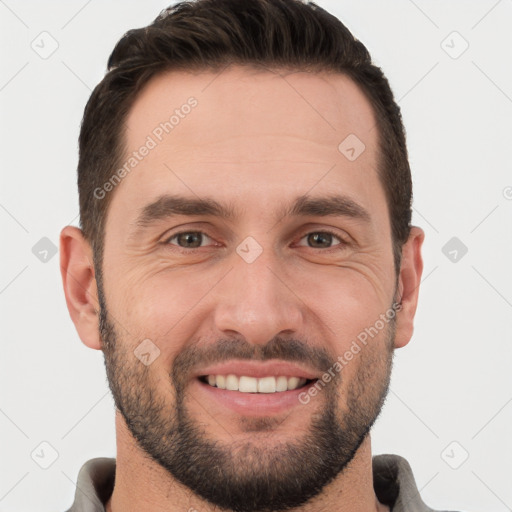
(408, 286)
(78, 279)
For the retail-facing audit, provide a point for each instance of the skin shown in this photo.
(256, 140)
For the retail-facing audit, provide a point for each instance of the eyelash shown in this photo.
(342, 243)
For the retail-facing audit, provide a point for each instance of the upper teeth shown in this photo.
(252, 385)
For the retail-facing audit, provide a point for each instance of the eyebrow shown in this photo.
(332, 205)
(167, 206)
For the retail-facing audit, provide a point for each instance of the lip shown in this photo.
(258, 369)
(249, 404)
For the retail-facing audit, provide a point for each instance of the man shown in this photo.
(245, 262)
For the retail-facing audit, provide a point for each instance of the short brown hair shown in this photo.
(209, 35)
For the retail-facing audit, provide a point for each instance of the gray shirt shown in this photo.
(393, 482)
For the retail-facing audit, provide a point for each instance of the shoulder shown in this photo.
(395, 486)
(94, 485)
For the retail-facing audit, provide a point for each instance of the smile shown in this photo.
(246, 384)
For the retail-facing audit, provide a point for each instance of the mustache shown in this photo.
(286, 349)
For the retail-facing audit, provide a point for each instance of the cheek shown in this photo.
(164, 308)
(366, 367)
(346, 300)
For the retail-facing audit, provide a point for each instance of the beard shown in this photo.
(252, 474)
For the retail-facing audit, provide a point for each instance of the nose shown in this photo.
(257, 301)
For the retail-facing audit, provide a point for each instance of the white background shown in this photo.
(451, 383)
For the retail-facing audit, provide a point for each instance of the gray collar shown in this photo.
(395, 486)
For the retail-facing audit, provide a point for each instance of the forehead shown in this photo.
(248, 131)
(241, 101)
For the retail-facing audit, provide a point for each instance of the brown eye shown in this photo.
(188, 239)
(321, 239)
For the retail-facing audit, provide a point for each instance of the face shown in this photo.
(245, 257)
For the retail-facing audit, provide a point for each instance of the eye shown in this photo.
(315, 240)
(188, 239)
(322, 239)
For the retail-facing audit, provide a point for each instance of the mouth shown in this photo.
(253, 388)
(248, 384)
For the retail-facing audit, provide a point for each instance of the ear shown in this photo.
(408, 286)
(78, 278)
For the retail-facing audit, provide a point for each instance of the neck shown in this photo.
(142, 484)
